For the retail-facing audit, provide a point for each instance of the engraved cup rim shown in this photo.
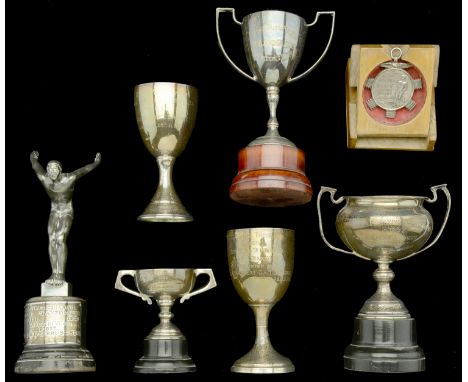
(165, 269)
(396, 200)
(253, 229)
(272, 11)
(164, 83)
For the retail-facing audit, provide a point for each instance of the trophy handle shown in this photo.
(332, 13)
(209, 285)
(119, 285)
(334, 201)
(220, 43)
(434, 189)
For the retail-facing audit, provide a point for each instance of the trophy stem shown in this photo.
(383, 303)
(165, 205)
(273, 99)
(165, 348)
(165, 328)
(272, 136)
(384, 339)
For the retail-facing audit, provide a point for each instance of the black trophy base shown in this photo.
(54, 359)
(165, 356)
(384, 346)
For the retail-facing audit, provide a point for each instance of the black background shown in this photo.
(72, 67)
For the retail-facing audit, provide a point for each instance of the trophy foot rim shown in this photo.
(165, 218)
(164, 366)
(56, 363)
(385, 360)
(384, 345)
(263, 369)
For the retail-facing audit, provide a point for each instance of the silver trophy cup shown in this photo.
(384, 229)
(165, 346)
(271, 169)
(273, 43)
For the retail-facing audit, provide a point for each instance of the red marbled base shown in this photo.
(271, 176)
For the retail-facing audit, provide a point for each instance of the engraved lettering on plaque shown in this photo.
(49, 323)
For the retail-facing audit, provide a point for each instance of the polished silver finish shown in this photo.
(54, 324)
(261, 262)
(59, 187)
(165, 286)
(273, 42)
(384, 229)
(166, 115)
(393, 88)
(54, 337)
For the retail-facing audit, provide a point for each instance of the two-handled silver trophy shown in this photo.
(54, 323)
(271, 168)
(165, 347)
(165, 113)
(384, 228)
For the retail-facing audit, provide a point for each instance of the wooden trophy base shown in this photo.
(271, 175)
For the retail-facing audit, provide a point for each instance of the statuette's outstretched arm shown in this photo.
(39, 170)
(88, 168)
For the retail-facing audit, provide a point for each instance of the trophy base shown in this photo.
(259, 361)
(165, 356)
(384, 346)
(53, 327)
(49, 359)
(271, 175)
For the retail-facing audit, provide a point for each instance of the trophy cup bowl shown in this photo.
(384, 229)
(165, 348)
(165, 114)
(261, 262)
(271, 169)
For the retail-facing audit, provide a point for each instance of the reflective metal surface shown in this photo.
(165, 345)
(384, 229)
(59, 187)
(273, 43)
(261, 262)
(55, 323)
(166, 115)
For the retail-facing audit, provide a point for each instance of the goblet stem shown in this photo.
(165, 189)
(262, 312)
(383, 303)
(165, 205)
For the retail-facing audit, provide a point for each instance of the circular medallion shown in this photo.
(394, 91)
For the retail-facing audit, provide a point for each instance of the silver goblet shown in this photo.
(165, 114)
(384, 229)
(261, 262)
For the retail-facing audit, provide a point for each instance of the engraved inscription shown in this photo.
(52, 322)
(385, 221)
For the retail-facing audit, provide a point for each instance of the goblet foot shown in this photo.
(263, 360)
(165, 356)
(165, 211)
(271, 175)
(384, 346)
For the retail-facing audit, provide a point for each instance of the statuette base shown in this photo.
(165, 356)
(54, 337)
(384, 346)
